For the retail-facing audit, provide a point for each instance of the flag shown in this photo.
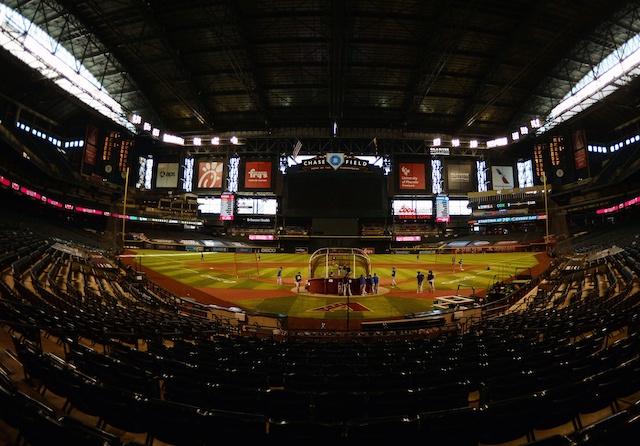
(372, 146)
(296, 148)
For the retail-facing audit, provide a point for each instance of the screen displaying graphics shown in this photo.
(459, 178)
(209, 205)
(257, 206)
(226, 206)
(167, 175)
(257, 174)
(412, 176)
(261, 237)
(210, 174)
(620, 206)
(442, 208)
(502, 177)
(459, 207)
(408, 238)
(413, 209)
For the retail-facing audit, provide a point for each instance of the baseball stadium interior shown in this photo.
(338, 138)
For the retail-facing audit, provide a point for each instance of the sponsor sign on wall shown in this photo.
(167, 175)
(412, 176)
(257, 175)
(91, 146)
(413, 209)
(579, 149)
(502, 177)
(459, 177)
(210, 174)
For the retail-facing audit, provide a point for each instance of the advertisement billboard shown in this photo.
(210, 174)
(459, 177)
(257, 174)
(412, 176)
(167, 175)
(413, 209)
(502, 177)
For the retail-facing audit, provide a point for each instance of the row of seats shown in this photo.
(193, 422)
(558, 360)
(40, 424)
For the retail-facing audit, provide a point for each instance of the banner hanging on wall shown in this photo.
(257, 175)
(412, 176)
(167, 175)
(210, 174)
(502, 177)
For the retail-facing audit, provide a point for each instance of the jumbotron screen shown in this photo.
(335, 194)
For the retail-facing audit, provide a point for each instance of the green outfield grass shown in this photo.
(247, 283)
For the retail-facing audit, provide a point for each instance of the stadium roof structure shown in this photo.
(401, 69)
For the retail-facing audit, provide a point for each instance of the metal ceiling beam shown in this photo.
(562, 79)
(181, 74)
(472, 100)
(77, 38)
(340, 26)
(132, 45)
(242, 62)
(429, 70)
(270, 147)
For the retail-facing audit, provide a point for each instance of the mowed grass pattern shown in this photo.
(243, 272)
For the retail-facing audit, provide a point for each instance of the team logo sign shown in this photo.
(335, 160)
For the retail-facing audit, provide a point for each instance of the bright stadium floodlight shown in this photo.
(173, 139)
(498, 142)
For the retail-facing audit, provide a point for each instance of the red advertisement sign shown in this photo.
(579, 149)
(91, 146)
(412, 176)
(257, 175)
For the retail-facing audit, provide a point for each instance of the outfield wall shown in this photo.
(309, 244)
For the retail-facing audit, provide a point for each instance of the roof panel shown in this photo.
(462, 66)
